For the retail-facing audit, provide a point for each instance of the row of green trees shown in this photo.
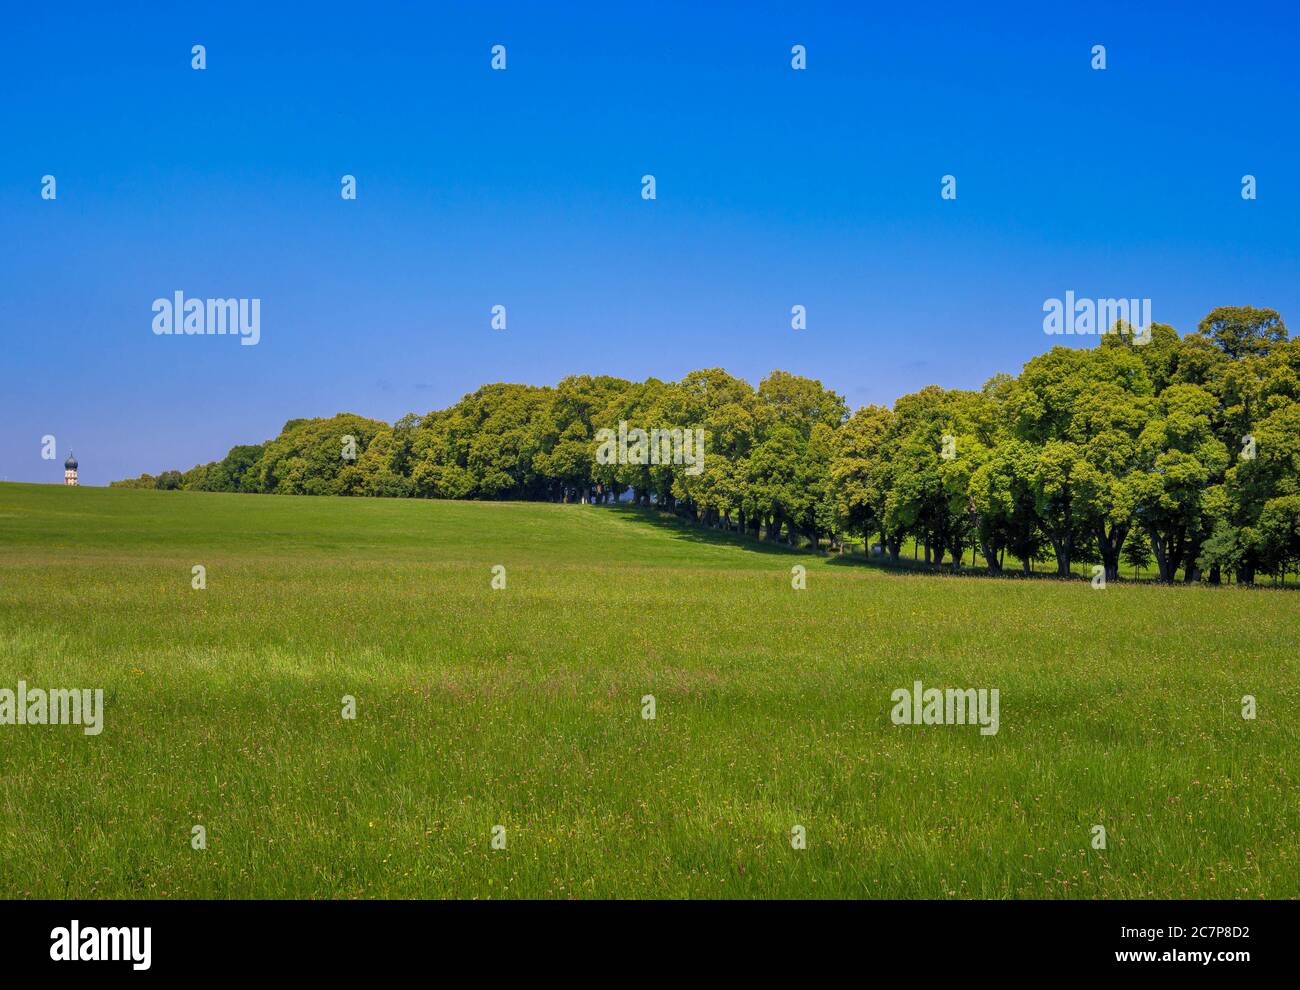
(1186, 449)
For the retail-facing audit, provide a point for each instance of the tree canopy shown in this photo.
(1185, 449)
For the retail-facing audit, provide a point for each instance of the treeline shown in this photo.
(1182, 449)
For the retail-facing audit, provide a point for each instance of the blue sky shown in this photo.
(522, 188)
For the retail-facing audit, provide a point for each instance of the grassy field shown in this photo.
(522, 707)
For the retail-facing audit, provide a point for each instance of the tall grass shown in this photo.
(522, 707)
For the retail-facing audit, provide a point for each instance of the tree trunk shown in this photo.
(1110, 544)
(1062, 551)
(992, 558)
(1168, 552)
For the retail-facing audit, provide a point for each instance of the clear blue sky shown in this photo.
(522, 187)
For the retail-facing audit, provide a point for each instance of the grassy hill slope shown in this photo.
(522, 707)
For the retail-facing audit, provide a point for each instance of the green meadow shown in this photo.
(522, 707)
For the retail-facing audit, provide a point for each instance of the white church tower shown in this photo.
(70, 471)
